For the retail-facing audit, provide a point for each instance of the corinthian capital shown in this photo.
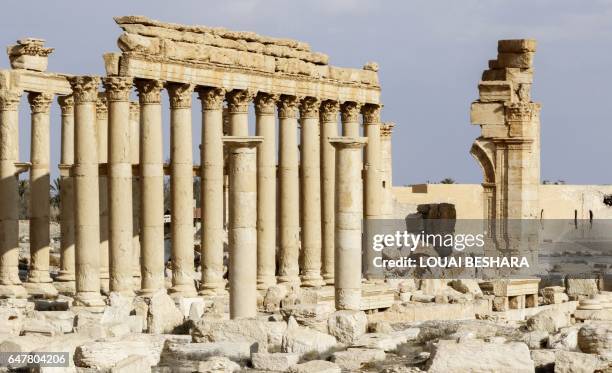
(371, 114)
(9, 99)
(101, 106)
(211, 97)
(84, 88)
(238, 100)
(350, 111)
(118, 88)
(40, 102)
(329, 111)
(66, 103)
(288, 106)
(265, 103)
(149, 91)
(521, 111)
(309, 107)
(180, 95)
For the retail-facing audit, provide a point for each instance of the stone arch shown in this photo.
(484, 159)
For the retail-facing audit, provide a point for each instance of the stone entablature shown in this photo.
(235, 60)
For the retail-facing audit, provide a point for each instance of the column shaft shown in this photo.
(181, 169)
(350, 119)
(266, 187)
(39, 280)
(242, 230)
(289, 192)
(310, 193)
(87, 212)
(349, 213)
(10, 285)
(102, 144)
(151, 187)
(329, 128)
(120, 184)
(66, 273)
(211, 174)
(238, 102)
(135, 160)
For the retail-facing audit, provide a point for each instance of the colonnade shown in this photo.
(110, 144)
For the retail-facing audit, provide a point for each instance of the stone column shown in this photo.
(242, 229)
(211, 174)
(120, 184)
(265, 105)
(289, 192)
(102, 144)
(310, 193)
(372, 185)
(10, 285)
(181, 170)
(386, 130)
(66, 273)
(39, 281)
(238, 102)
(350, 118)
(151, 187)
(329, 128)
(349, 213)
(135, 160)
(87, 212)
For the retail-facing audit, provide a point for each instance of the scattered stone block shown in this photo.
(243, 330)
(132, 364)
(307, 342)
(163, 316)
(314, 316)
(381, 341)
(577, 362)
(274, 361)
(40, 327)
(354, 358)
(554, 295)
(106, 354)
(566, 339)
(319, 366)
(550, 321)
(596, 338)
(175, 353)
(466, 286)
(347, 326)
(581, 287)
(218, 364)
(543, 360)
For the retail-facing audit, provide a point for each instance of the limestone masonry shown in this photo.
(270, 272)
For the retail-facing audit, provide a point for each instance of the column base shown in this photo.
(65, 287)
(148, 293)
(348, 299)
(213, 289)
(264, 282)
(13, 291)
(185, 291)
(328, 279)
(91, 300)
(293, 280)
(41, 289)
(312, 280)
(65, 276)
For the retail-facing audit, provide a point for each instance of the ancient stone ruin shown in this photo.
(271, 277)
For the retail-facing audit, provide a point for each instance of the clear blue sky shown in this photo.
(431, 55)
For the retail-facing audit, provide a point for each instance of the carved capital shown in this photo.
(309, 107)
(265, 103)
(180, 95)
(211, 97)
(40, 102)
(238, 100)
(329, 111)
(118, 88)
(9, 99)
(520, 112)
(66, 103)
(386, 129)
(288, 106)
(84, 88)
(149, 91)
(101, 106)
(134, 109)
(349, 111)
(371, 114)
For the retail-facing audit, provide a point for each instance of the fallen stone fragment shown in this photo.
(347, 326)
(319, 366)
(132, 364)
(274, 361)
(354, 358)
(578, 362)
(174, 354)
(217, 364)
(307, 342)
(550, 321)
(596, 338)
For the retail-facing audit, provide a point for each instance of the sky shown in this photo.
(431, 55)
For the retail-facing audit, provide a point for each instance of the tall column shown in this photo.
(242, 230)
(151, 187)
(102, 144)
(211, 174)
(349, 213)
(289, 192)
(238, 102)
(10, 285)
(181, 187)
(120, 184)
(66, 272)
(372, 185)
(39, 281)
(311, 193)
(87, 212)
(329, 128)
(350, 118)
(265, 105)
(386, 130)
(135, 160)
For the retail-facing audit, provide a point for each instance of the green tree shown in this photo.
(447, 180)
(55, 193)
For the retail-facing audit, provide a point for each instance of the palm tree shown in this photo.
(447, 180)
(55, 193)
(23, 189)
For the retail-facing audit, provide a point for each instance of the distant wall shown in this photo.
(556, 201)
